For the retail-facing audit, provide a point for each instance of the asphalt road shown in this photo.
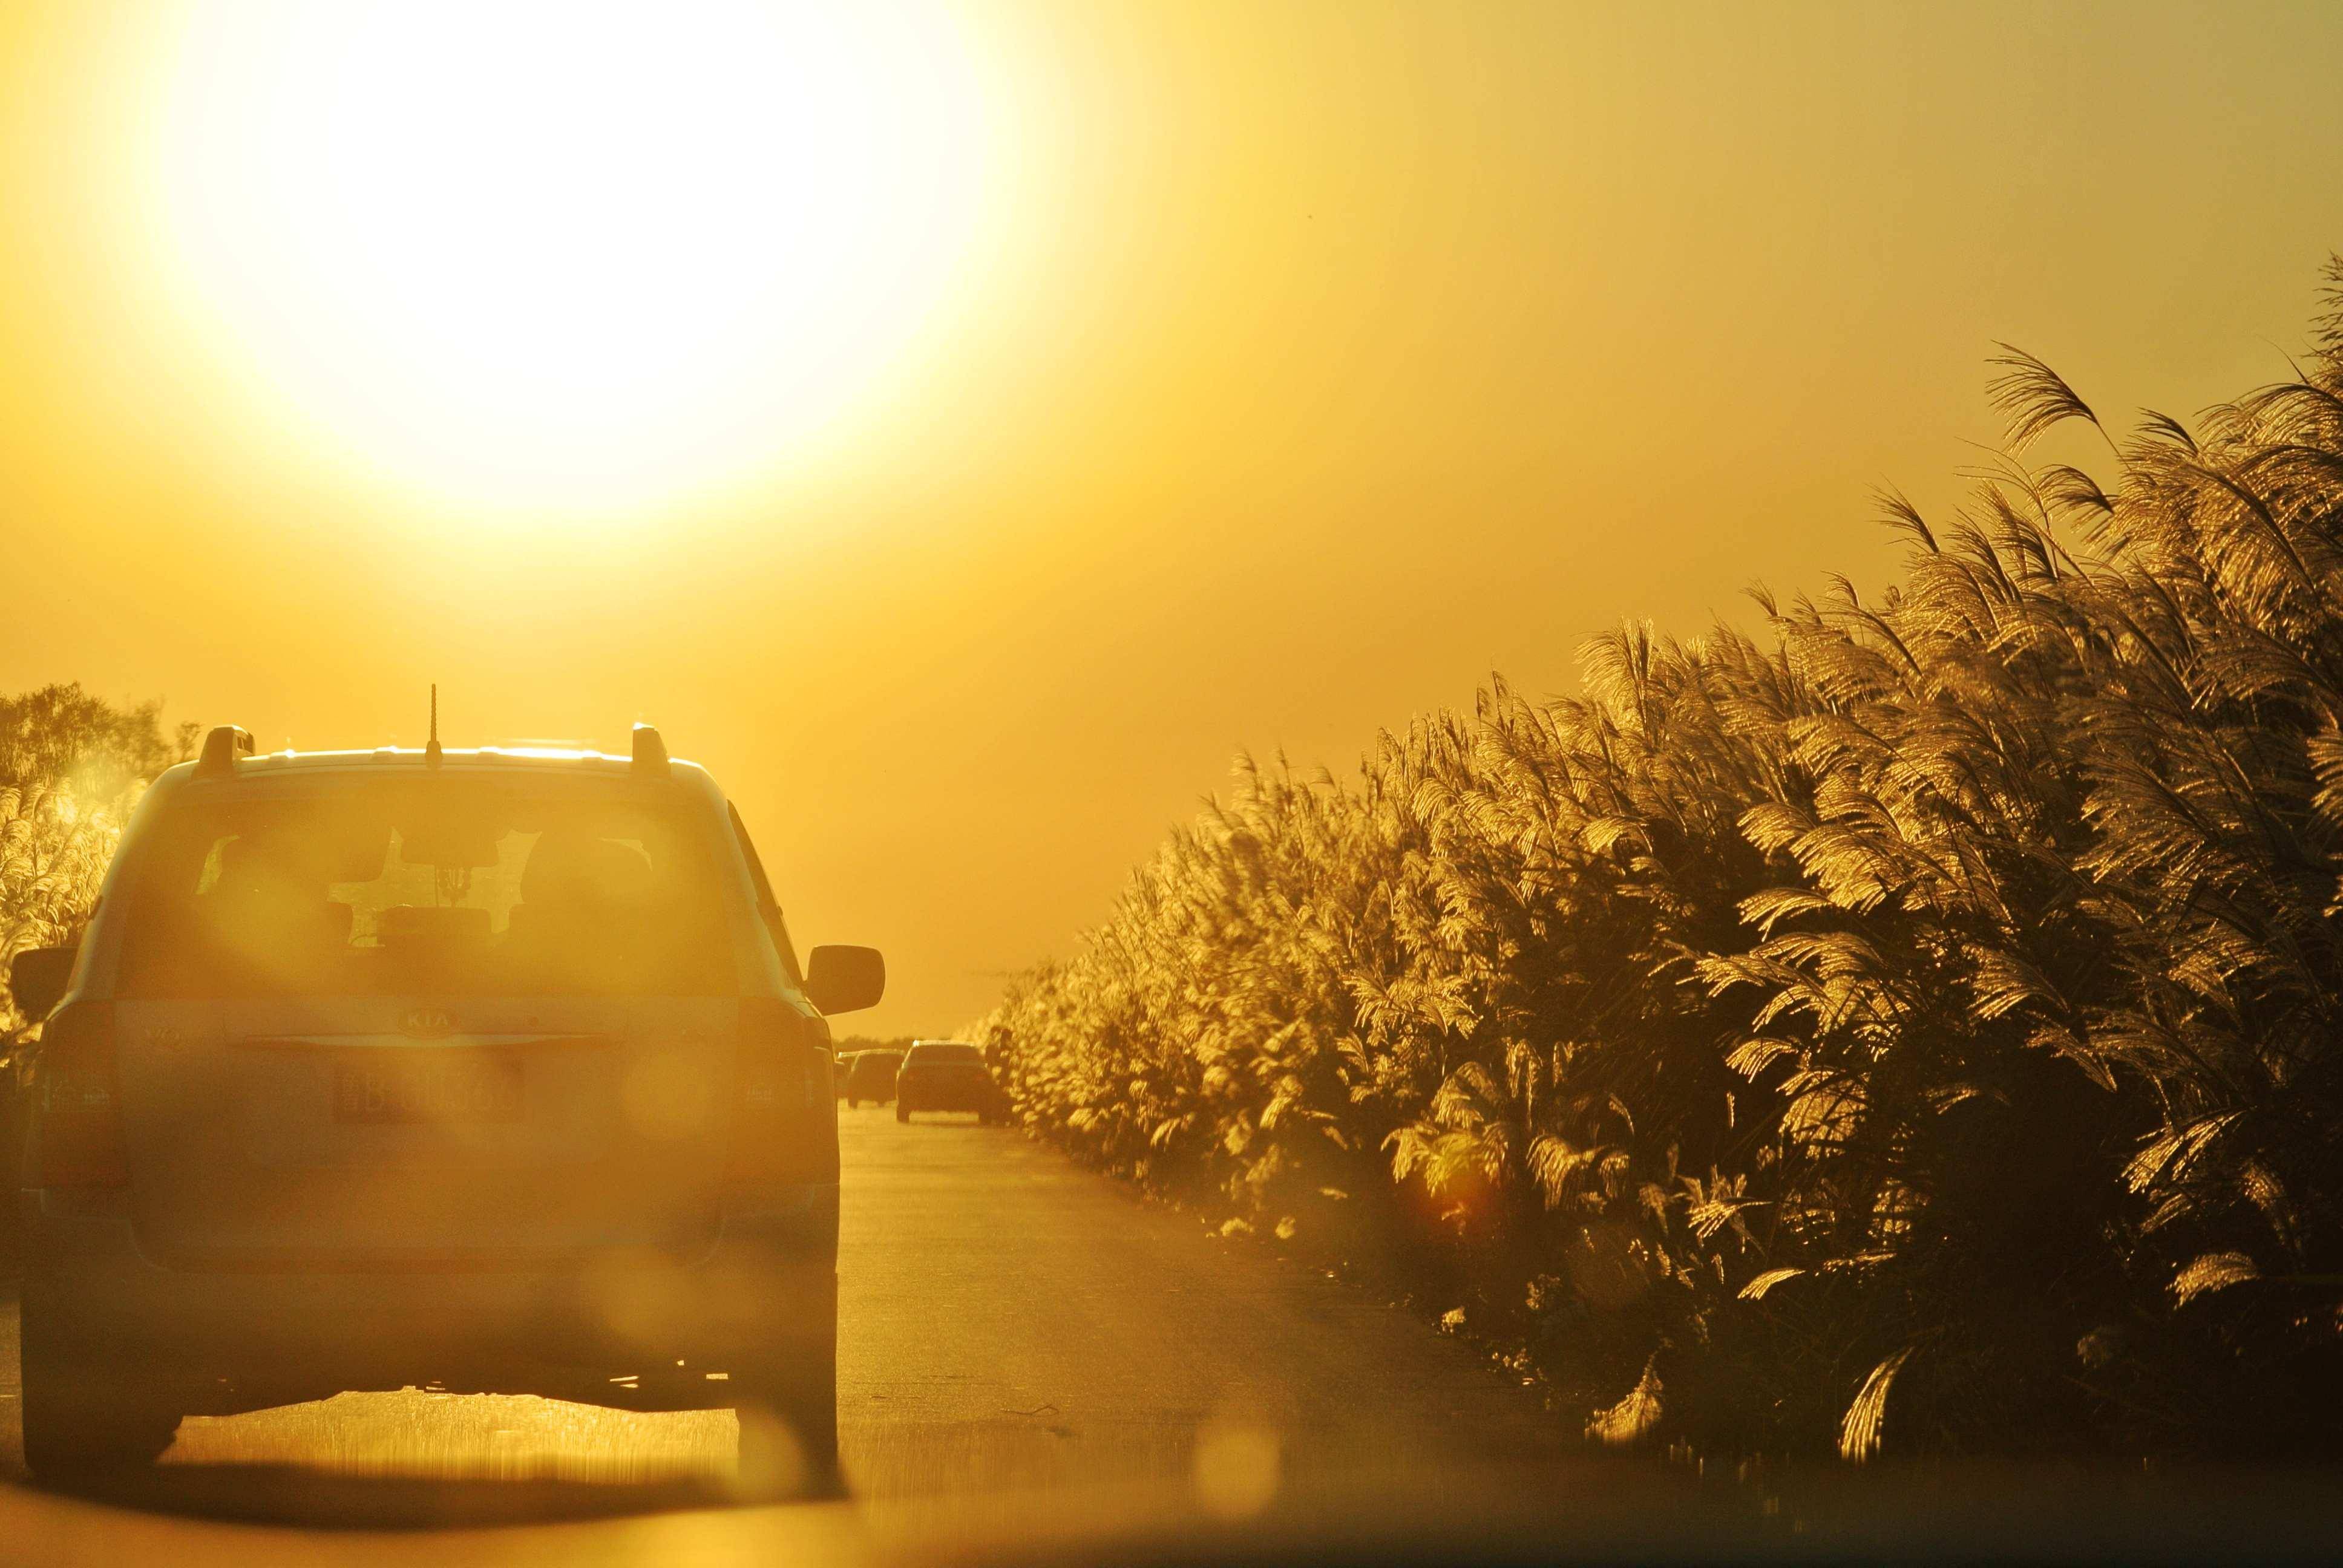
(1013, 1333)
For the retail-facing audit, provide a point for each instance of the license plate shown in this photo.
(443, 1086)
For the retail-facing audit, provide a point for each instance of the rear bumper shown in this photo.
(957, 1091)
(763, 1297)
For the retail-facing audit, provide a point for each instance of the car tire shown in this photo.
(794, 1445)
(84, 1414)
(902, 1111)
(852, 1104)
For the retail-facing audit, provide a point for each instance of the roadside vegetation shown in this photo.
(854, 1042)
(71, 767)
(1916, 1028)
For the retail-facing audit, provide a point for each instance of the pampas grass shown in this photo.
(1913, 1028)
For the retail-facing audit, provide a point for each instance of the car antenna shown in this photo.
(431, 747)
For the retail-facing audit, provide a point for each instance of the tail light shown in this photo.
(784, 1110)
(74, 1135)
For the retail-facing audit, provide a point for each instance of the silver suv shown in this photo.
(488, 1069)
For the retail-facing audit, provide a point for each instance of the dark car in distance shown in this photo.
(871, 1077)
(947, 1075)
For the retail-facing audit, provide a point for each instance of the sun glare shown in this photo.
(563, 254)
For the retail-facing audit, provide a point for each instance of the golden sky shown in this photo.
(964, 427)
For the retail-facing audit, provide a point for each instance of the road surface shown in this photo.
(1010, 1328)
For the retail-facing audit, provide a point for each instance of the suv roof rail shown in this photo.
(222, 747)
(650, 751)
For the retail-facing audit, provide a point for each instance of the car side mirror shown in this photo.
(38, 977)
(845, 979)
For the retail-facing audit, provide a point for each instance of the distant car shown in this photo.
(947, 1075)
(872, 1077)
(840, 1074)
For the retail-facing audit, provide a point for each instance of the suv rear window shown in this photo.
(945, 1056)
(445, 886)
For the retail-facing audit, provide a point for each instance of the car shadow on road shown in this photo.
(300, 1497)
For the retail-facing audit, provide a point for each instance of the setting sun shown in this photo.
(557, 254)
